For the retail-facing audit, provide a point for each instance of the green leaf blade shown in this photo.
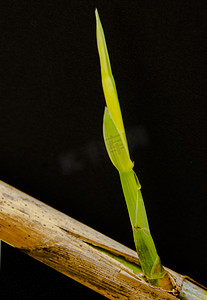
(115, 144)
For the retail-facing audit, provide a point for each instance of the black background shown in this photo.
(51, 110)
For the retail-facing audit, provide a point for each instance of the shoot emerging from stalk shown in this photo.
(117, 148)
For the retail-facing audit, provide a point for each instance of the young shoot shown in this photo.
(117, 148)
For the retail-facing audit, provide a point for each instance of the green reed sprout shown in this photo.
(117, 148)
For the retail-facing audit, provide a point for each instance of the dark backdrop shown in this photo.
(51, 111)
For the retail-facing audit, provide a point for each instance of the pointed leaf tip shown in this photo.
(96, 13)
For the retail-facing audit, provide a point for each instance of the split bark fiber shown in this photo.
(73, 248)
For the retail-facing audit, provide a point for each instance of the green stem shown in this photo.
(147, 253)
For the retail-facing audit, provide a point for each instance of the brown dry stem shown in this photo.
(73, 248)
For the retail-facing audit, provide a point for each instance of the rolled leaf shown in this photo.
(108, 83)
(149, 259)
